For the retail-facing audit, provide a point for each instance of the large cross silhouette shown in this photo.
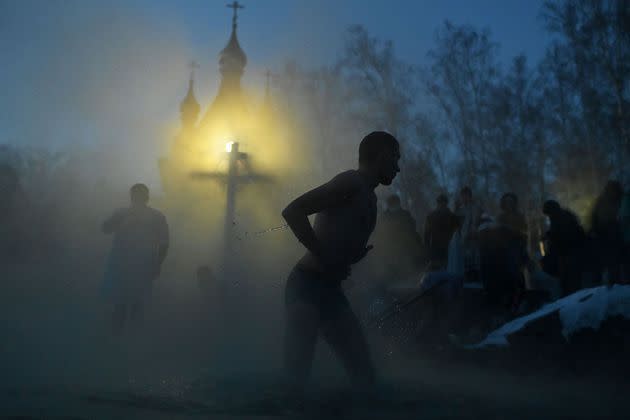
(232, 179)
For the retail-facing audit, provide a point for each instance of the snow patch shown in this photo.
(586, 308)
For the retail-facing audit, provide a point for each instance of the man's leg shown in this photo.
(345, 335)
(300, 340)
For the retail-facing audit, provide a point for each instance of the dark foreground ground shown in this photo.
(57, 360)
(420, 390)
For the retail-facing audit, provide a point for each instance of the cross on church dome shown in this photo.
(232, 59)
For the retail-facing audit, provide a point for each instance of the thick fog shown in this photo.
(95, 91)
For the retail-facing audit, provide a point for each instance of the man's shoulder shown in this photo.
(349, 180)
(155, 213)
(349, 176)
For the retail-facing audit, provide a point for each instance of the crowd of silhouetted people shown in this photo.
(496, 252)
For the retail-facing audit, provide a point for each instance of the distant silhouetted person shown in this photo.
(466, 247)
(345, 209)
(140, 245)
(503, 256)
(439, 227)
(398, 245)
(606, 231)
(565, 239)
(510, 216)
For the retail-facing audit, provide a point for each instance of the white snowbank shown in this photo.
(584, 309)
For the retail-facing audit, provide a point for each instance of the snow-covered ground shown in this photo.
(586, 308)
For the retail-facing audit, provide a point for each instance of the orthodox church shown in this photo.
(202, 204)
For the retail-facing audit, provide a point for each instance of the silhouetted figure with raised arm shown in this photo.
(140, 245)
(439, 227)
(345, 209)
(464, 258)
(606, 231)
(565, 240)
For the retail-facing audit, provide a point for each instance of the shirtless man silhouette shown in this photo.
(315, 303)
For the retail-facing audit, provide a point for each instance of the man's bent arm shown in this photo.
(321, 198)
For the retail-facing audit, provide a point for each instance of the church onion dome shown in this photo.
(190, 102)
(189, 107)
(232, 57)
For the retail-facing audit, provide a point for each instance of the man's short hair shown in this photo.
(466, 190)
(373, 145)
(139, 189)
(442, 199)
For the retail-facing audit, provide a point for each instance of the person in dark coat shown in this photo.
(565, 242)
(510, 215)
(606, 231)
(503, 257)
(439, 227)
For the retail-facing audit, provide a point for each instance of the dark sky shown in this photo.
(111, 72)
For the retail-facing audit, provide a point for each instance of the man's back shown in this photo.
(139, 231)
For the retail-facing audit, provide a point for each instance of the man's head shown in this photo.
(465, 195)
(551, 208)
(393, 202)
(379, 153)
(139, 195)
(442, 201)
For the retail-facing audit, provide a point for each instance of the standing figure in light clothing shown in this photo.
(139, 247)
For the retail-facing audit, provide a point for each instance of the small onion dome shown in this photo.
(190, 107)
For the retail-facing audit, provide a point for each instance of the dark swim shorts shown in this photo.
(310, 287)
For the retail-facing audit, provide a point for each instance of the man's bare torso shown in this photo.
(344, 230)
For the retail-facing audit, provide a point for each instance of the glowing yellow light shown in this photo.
(228, 146)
